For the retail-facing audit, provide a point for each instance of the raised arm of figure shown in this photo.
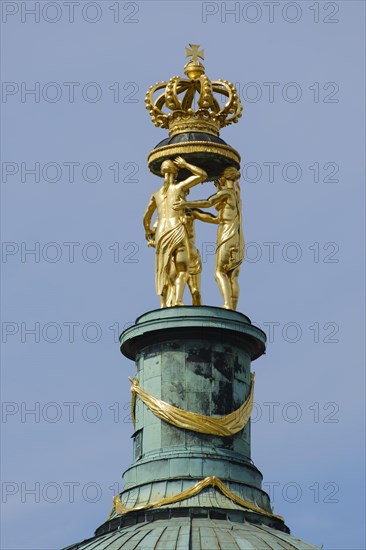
(199, 175)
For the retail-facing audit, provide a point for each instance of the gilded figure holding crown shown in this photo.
(170, 236)
(230, 239)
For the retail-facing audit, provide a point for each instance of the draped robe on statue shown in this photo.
(230, 239)
(166, 245)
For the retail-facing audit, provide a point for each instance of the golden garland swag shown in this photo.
(227, 425)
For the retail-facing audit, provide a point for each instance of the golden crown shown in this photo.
(181, 95)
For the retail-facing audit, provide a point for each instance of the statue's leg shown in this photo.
(224, 286)
(167, 295)
(234, 286)
(170, 301)
(194, 278)
(221, 274)
(194, 283)
(171, 286)
(181, 265)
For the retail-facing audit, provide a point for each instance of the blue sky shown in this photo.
(299, 68)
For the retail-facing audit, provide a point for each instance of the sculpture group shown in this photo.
(177, 259)
(193, 111)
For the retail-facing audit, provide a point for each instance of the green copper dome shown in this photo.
(197, 534)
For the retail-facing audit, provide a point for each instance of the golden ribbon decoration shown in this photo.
(227, 425)
(210, 481)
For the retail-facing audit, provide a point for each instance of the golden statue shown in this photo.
(195, 263)
(192, 109)
(170, 236)
(230, 239)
